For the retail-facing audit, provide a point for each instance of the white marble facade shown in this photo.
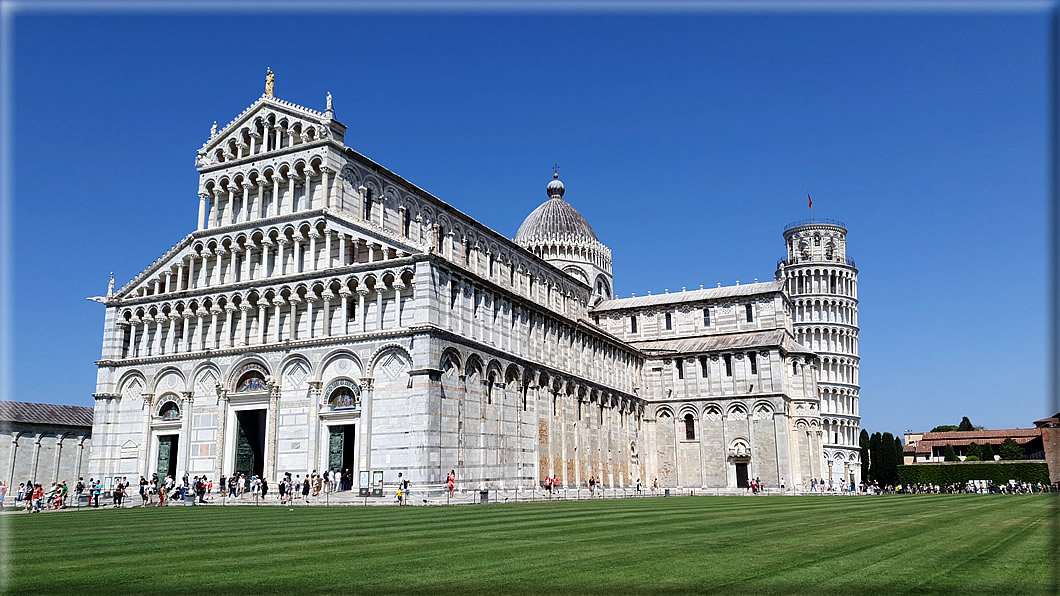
(327, 312)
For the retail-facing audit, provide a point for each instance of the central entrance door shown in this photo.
(741, 475)
(340, 449)
(250, 443)
(167, 455)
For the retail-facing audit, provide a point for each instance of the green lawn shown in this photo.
(930, 544)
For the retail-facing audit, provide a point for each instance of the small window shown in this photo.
(680, 368)
(690, 428)
(706, 317)
(703, 365)
(750, 313)
(754, 362)
(633, 323)
(816, 240)
(728, 365)
(669, 322)
(794, 368)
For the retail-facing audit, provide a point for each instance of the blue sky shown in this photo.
(687, 140)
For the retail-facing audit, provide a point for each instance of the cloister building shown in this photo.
(328, 314)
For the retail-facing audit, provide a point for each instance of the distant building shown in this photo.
(1050, 429)
(932, 446)
(43, 443)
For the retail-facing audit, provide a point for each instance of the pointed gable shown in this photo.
(260, 123)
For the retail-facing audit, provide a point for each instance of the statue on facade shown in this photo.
(329, 101)
(269, 80)
(110, 286)
(213, 130)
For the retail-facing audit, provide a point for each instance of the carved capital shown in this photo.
(367, 383)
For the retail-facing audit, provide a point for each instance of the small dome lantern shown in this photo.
(555, 188)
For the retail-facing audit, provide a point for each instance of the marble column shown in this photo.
(361, 293)
(185, 430)
(271, 434)
(230, 310)
(313, 237)
(344, 296)
(222, 423)
(314, 425)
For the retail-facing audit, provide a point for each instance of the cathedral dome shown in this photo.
(554, 219)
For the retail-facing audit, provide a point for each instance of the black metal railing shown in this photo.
(814, 220)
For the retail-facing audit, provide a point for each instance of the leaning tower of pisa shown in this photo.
(822, 281)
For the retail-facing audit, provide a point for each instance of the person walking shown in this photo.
(264, 488)
(305, 490)
(450, 482)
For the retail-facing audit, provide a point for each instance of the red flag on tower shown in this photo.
(810, 200)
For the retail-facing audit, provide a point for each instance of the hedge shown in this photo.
(1000, 473)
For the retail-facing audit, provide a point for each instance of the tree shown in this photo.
(949, 454)
(1010, 449)
(874, 457)
(965, 424)
(988, 453)
(974, 450)
(899, 456)
(888, 460)
(944, 428)
(863, 440)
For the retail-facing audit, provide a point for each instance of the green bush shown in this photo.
(974, 450)
(949, 454)
(1000, 473)
(972, 458)
(1011, 450)
(988, 452)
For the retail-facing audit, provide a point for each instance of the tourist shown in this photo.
(654, 485)
(305, 490)
(79, 488)
(400, 486)
(143, 492)
(97, 490)
(119, 492)
(223, 484)
(450, 482)
(282, 488)
(592, 486)
(255, 489)
(3, 493)
(20, 497)
(38, 496)
(638, 486)
(337, 479)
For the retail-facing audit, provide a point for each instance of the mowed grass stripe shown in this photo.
(766, 545)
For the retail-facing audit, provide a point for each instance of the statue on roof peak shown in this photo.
(269, 81)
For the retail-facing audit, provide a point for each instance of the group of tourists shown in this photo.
(33, 497)
(1012, 487)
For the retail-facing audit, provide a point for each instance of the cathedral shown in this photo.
(328, 314)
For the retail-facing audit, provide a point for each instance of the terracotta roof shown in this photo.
(53, 414)
(1021, 436)
(692, 296)
(1050, 421)
(972, 435)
